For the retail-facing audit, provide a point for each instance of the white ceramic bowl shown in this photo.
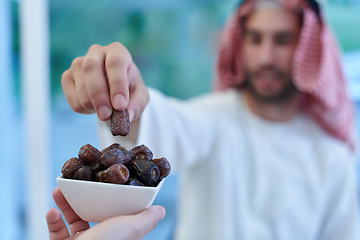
(97, 201)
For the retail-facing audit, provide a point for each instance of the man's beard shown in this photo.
(287, 92)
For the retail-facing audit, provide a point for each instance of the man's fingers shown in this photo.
(68, 85)
(100, 82)
(131, 227)
(144, 222)
(76, 224)
(148, 219)
(80, 87)
(93, 75)
(117, 63)
(56, 225)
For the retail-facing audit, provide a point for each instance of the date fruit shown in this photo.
(71, 166)
(134, 182)
(145, 171)
(115, 164)
(86, 173)
(163, 165)
(120, 123)
(115, 156)
(116, 173)
(112, 146)
(90, 157)
(141, 152)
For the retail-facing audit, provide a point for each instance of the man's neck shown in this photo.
(273, 111)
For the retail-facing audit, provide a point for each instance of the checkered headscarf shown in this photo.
(316, 68)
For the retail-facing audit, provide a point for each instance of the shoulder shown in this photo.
(324, 140)
(333, 153)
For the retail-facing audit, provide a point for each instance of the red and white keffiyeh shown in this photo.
(316, 69)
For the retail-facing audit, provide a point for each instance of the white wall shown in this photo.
(9, 214)
(35, 81)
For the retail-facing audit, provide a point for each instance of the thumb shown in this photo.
(129, 227)
(145, 221)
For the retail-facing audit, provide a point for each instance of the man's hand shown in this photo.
(118, 228)
(105, 78)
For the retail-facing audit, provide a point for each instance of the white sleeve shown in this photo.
(341, 219)
(181, 131)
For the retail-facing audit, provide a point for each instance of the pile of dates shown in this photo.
(117, 165)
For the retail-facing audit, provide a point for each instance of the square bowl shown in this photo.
(98, 201)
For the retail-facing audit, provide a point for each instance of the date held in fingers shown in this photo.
(120, 123)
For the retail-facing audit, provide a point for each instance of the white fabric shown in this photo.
(247, 178)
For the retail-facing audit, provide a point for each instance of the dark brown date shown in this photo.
(115, 156)
(115, 164)
(90, 156)
(163, 165)
(98, 175)
(71, 166)
(112, 146)
(134, 182)
(141, 152)
(145, 171)
(85, 173)
(120, 123)
(117, 173)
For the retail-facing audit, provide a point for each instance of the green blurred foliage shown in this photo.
(345, 22)
(174, 43)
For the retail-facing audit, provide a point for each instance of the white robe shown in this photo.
(244, 177)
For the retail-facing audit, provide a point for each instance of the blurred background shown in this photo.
(174, 44)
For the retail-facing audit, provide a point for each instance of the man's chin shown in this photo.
(267, 98)
(274, 92)
(271, 96)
